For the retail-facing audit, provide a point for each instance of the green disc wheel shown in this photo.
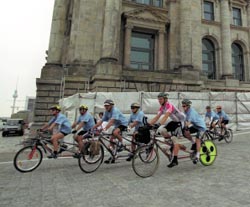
(208, 152)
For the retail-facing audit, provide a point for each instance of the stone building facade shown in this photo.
(145, 45)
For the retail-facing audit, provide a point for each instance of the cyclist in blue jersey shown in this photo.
(84, 123)
(135, 121)
(61, 122)
(115, 118)
(223, 121)
(212, 117)
(194, 123)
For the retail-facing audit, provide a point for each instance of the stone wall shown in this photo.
(90, 44)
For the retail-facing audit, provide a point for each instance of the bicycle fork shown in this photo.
(30, 156)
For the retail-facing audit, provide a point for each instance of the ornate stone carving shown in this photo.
(146, 14)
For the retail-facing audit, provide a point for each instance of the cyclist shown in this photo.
(135, 121)
(115, 118)
(212, 117)
(84, 123)
(194, 123)
(64, 127)
(223, 121)
(168, 110)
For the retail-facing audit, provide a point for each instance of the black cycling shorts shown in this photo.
(192, 130)
(64, 133)
(172, 126)
(122, 128)
(225, 122)
(82, 132)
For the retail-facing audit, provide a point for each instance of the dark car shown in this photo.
(13, 127)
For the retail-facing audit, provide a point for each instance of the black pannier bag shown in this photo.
(143, 135)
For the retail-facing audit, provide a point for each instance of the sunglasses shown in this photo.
(184, 106)
(133, 107)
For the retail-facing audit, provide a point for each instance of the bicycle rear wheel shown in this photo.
(28, 159)
(145, 161)
(228, 136)
(208, 152)
(89, 162)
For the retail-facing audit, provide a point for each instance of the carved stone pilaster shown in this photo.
(111, 29)
(226, 39)
(127, 41)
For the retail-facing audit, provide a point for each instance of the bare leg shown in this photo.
(117, 134)
(80, 142)
(55, 139)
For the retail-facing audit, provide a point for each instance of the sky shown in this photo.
(24, 38)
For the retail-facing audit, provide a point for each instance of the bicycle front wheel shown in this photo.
(28, 159)
(90, 162)
(145, 161)
(228, 136)
(208, 152)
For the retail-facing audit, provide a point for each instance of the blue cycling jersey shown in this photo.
(117, 115)
(193, 117)
(212, 116)
(223, 115)
(137, 117)
(63, 122)
(88, 120)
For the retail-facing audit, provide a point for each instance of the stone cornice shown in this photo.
(246, 29)
(239, 3)
(136, 14)
(215, 23)
(139, 5)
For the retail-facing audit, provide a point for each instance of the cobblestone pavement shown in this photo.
(62, 183)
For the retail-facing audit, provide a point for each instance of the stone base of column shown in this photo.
(226, 76)
(189, 73)
(232, 83)
(52, 71)
(106, 69)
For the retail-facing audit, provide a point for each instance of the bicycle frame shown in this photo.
(45, 143)
(106, 137)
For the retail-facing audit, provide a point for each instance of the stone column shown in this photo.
(185, 33)
(161, 44)
(111, 28)
(226, 39)
(57, 31)
(196, 42)
(127, 45)
(247, 66)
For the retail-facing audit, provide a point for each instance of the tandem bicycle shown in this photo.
(92, 157)
(30, 156)
(146, 159)
(213, 134)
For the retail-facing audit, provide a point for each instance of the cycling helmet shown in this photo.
(108, 102)
(163, 95)
(83, 107)
(135, 105)
(186, 102)
(55, 107)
